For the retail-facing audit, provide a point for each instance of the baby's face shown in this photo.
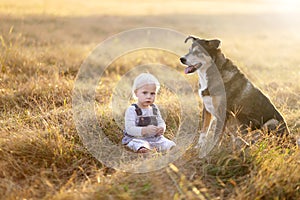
(146, 95)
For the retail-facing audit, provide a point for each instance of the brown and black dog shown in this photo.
(223, 86)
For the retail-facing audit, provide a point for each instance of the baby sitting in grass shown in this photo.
(144, 126)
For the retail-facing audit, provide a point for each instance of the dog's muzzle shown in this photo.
(191, 68)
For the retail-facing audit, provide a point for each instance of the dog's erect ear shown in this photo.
(214, 43)
(190, 37)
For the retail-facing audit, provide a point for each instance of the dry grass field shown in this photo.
(44, 43)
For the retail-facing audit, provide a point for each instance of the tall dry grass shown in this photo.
(42, 156)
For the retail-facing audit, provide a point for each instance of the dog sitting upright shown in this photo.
(250, 107)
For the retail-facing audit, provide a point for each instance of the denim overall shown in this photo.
(141, 121)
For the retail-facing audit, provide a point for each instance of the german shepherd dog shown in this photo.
(243, 101)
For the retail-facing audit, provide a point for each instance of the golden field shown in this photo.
(42, 47)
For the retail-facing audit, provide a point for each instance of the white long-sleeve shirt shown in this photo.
(131, 120)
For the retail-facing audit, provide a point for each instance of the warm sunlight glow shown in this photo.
(286, 6)
(290, 5)
(144, 8)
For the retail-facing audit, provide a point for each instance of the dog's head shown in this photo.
(199, 54)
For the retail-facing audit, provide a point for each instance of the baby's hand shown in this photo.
(160, 131)
(149, 131)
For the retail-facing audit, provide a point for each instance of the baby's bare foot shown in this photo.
(143, 150)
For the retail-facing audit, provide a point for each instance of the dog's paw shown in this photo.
(202, 140)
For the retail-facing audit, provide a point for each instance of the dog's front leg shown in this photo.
(215, 128)
(210, 138)
(206, 117)
(206, 120)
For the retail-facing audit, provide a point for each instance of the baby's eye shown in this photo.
(152, 93)
(145, 92)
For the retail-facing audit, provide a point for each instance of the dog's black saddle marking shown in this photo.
(205, 92)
